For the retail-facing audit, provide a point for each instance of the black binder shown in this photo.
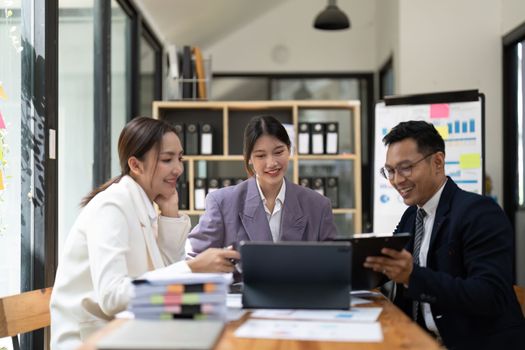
(206, 139)
(179, 130)
(284, 275)
(305, 182)
(200, 194)
(192, 139)
(332, 138)
(226, 182)
(318, 141)
(213, 184)
(187, 73)
(332, 191)
(183, 191)
(304, 138)
(318, 185)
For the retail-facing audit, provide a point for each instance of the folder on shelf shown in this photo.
(318, 185)
(183, 191)
(226, 182)
(318, 138)
(187, 73)
(200, 194)
(332, 138)
(201, 77)
(304, 138)
(179, 130)
(332, 191)
(305, 182)
(192, 139)
(206, 139)
(213, 184)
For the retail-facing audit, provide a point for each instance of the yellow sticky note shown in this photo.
(1, 154)
(443, 131)
(9, 13)
(1, 180)
(470, 161)
(3, 95)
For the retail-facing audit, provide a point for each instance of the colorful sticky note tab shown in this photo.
(3, 95)
(2, 122)
(1, 154)
(439, 110)
(470, 161)
(1, 180)
(191, 298)
(443, 131)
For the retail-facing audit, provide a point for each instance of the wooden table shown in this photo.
(399, 332)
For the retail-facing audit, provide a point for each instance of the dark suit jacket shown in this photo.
(237, 213)
(468, 279)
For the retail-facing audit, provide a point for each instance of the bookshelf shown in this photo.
(228, 120)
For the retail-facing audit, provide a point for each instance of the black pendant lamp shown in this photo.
(332, 18)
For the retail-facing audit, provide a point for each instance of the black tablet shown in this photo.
(370, 244)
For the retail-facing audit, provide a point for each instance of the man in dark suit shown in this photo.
(455, 276)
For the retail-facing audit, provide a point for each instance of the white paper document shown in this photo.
(308, 330)
(356, 314)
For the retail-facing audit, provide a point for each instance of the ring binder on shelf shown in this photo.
(332, 133)
(200, 194)
(192, 139)
(183, 191)
(213, 185)
(305, 182)
(179, 130)
(206, 139)
(304, 138)
(226, 182)
(318, 138)
(332, 191)
(318, 185)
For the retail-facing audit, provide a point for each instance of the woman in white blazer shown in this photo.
(118, 235)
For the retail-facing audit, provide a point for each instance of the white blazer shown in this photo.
(112, 241)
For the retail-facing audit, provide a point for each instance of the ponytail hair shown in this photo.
(138, 136)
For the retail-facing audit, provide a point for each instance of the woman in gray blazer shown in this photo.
(266, 207)
(119, 235)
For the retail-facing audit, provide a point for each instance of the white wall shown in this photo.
(455, 45)
(512, 15)
(284, 40)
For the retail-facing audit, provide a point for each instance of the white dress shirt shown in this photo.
(430, 208)
(274, 218)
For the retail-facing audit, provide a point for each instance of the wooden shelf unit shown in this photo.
(229, 119)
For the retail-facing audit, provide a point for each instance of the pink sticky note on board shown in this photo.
(439, 111)
(2, 123)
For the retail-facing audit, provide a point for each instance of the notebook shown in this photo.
(163, 335)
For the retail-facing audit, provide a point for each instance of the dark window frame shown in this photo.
(385, 68)
(510, 121)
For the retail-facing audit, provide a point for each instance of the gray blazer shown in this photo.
(236, 213)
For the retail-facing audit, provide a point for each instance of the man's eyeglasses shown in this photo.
(404, 170)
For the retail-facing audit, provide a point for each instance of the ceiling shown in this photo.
(201, 22)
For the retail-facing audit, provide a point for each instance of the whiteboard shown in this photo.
(461, 126)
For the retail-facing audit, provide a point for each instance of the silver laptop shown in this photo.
(163, 335)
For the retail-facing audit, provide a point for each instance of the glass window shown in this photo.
(75, 109)
(120, 34)
(10, 151)
(147, 77)
(521, 123)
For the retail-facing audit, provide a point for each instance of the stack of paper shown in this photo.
(188, 296)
